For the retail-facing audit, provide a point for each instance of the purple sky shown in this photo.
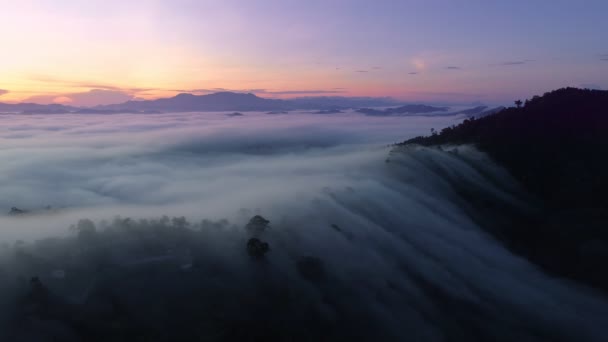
(87, 53)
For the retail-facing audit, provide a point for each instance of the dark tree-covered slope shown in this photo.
(556, 146)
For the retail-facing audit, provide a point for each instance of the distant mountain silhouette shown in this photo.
(329, 111)
(93, 111)
(222, 101)
(229, 101)
(426, 110)
(340, 102)
(403, 110)
(34, 108)
(555, 146)
(240, 102)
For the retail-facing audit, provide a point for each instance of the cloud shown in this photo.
(63, 100)
(89, 98)
(262, 92)
(103, 92)
(73, 83)
(93, 138)
(412, 73)
(453, 68)
(3, 91)
(303, 92)
(43, 99)
(513, 63)
(297, 92)
(377, 68)
(419, 64)
(207, 90)
(362, 71)
(399, 246)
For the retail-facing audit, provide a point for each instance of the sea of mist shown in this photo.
(397, 252)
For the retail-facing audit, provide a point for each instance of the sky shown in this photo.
(93, 52)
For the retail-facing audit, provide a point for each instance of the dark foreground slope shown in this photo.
(556, 146)
(400, 258)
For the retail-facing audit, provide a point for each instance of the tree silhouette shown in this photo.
(518, 103)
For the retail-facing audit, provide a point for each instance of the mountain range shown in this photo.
(221, 101)
(240, 102)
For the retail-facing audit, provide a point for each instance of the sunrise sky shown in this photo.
(105, 51)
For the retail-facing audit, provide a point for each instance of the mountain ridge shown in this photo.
(243, 102)
(220, 101)
(550, 145)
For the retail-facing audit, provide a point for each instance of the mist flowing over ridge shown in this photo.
(343, 209)
(552, 145)
(303, 171)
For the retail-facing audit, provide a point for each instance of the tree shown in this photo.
(518, 103)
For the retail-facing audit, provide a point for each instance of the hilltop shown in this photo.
(551, 143)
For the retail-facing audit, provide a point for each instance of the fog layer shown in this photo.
(365, 241)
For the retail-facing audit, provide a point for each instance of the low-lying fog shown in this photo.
(364, 242)
(206, 165)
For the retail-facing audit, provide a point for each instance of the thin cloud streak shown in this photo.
(513, 63)
(89, 98)
(72, 83)
(300, 92)
(203, 91)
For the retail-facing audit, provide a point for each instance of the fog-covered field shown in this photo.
(365, 241)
